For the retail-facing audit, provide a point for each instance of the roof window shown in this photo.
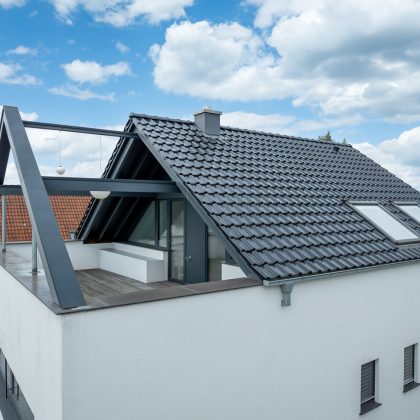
(385, 222)
(412, 210)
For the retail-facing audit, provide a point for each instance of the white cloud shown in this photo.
(94, 73)
(122, 48)
(7, 4)
(215, 61)
(22, 50)
(123, 12)
(11, 74)
(310, 52)
(82, 94)
(81, 154)
(400, 155)
(284, 124)
(28, 116)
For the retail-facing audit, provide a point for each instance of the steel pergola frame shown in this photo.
(62, 281)
(83, 186)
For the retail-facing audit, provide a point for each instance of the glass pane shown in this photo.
(145, 231)
(216, 256)
(386, 222)
(163, 223)
(177, 240)
(412, 210)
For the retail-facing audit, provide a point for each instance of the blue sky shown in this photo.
(288, 66)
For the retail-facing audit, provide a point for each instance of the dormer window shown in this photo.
(412, 210)
(386, 222)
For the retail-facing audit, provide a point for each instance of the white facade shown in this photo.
(31, 339)
(230, 355)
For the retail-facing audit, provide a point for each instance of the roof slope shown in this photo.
(282, 200)
(68, 211)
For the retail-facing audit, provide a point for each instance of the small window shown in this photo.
(412, 210)
(410, 367)
(368, 387)
(386, 223)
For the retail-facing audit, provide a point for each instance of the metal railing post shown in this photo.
(3, 223)
(34, 254)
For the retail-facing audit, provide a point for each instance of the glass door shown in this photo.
(177, 245)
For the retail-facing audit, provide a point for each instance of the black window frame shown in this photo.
(409, 366)
(368, 373)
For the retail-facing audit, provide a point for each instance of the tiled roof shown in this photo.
(282, 201)
(67, 209)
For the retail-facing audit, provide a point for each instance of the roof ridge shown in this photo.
(286, 136)
(247, 130)
(156, 117)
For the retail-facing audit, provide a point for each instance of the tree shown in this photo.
(326, 137)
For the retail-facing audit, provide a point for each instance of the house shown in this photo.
(68, 211)
(313, 250)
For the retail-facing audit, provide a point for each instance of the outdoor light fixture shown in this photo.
(60, 169)
(100, 195)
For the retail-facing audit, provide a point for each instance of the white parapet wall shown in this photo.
(30, 338)
(230, 271)
(240, 355)
(139, 263)
(146, 265)
(83, 256)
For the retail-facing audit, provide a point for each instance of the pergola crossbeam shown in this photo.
(78, 129)
(83, 186)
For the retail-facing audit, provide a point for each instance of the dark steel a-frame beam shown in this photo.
(4, 151)
(62, 280)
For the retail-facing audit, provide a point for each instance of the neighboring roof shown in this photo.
(67, 209)
(281, 200)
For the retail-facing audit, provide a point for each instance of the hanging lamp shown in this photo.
(60, 169)
(100, 195)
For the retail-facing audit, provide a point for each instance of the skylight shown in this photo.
(413, 210)
(386, 222)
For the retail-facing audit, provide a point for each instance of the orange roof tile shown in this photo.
(68, 211)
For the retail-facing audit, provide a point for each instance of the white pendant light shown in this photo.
(100, 195)
(60, 169)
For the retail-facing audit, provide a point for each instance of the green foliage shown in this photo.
(326, 137)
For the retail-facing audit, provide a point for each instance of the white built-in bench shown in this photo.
(143, 264)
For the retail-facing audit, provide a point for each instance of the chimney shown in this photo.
(208, 121)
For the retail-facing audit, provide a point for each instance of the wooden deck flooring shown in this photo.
(97, 284)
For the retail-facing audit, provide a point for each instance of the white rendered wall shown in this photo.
(240, 355)
(30, 337)
(230, 271)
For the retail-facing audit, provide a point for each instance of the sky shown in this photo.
(294, 67)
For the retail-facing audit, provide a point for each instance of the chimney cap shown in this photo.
(208, 110)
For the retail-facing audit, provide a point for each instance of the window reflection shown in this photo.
(145, 231)
(216, 256)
